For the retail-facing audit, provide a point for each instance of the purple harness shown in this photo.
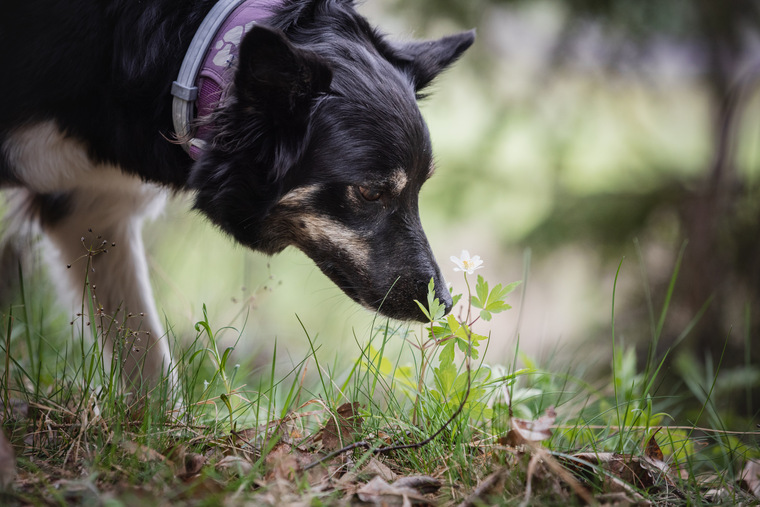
(208, 67)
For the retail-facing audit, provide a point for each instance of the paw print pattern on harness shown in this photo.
(225, 46)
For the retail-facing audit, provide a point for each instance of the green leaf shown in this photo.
(226, 401)
(434, 310)
(424, 310)
(379, 363)
(464, 344)
(457, 328)
(445, 376)
(506, 290)
(405, 375)
(439, 332)
(446, 357)
(225, 356)
(481, 291)
(197, 352)
(493, 301)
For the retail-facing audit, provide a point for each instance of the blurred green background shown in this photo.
(573, 135)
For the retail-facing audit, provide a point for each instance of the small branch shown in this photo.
(417, 445)
(391, 448)
(477, 497)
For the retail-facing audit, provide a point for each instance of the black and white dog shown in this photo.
(294, 122)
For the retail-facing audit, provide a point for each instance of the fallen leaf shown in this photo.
(77, 492)
(422, 483)
(7, 463)
(719, 496)
(354, 479)
(750, 477)
(524, 431)
(376, 468)
(234, 466)
(379, 492)
(626, 472)
(187, 464)
(246, 436)
(193, 464)
(143, 453)
(341, 428)
(653, 450)
(285, 460)
(280, 462)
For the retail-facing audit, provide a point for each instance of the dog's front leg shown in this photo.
(99, 237)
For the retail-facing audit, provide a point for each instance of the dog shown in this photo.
(310, 136)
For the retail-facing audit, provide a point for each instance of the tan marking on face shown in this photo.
(398, 181)
(323, 231)
(298, 196)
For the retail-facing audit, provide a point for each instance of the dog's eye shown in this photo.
(370, 194)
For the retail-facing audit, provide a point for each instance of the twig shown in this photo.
(485, 487)
(695, 428)
(534, 460)
(391, 448)
(415, 445)
(551, 462)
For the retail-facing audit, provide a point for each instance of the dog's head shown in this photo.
(323, 147)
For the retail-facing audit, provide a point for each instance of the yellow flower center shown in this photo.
(468, 264)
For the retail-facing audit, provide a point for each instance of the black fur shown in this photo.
(321, 101)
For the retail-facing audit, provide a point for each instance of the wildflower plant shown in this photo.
(454, 383)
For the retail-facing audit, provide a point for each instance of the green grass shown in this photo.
(236, 433)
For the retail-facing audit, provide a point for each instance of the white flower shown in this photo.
(467, 264)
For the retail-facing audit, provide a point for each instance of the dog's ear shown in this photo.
(424, 60)
(278, 76)
(280, 82)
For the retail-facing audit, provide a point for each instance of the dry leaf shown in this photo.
(281, 463)
(284, 461)
(379, 492)
(524, 431)
(653, 450)
(193, 464)
(643, 473)
(7, 463)
(350, 422)
(234, 466)
(246, 437)
(750, 477)
(623, 466)
(422, 483)
(144, 453)
(375, 467)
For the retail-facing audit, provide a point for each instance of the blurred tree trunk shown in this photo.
(711, 263)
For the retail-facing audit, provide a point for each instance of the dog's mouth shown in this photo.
(340, 278)
(397, 301)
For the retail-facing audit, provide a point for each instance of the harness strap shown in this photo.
(205, 74)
